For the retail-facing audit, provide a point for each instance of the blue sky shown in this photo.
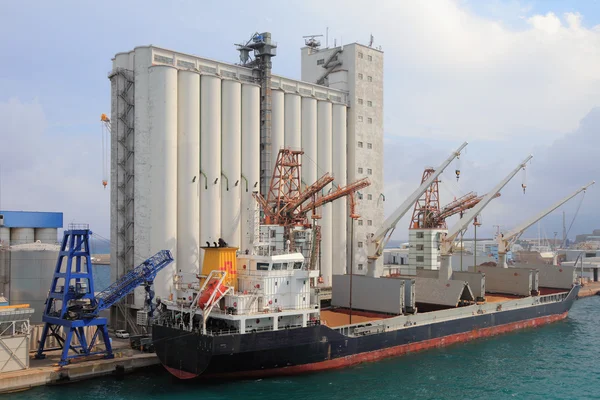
(505, 75)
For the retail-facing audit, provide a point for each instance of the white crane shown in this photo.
(505, 241)
(447, 242)
(377, 242)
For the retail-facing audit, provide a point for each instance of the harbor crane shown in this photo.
(377, 242)
(447, 240)
(73, 305)
(506, 240)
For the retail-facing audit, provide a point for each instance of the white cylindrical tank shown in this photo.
(162, 106)
(142, 178)
(293, 112)
(4, 236)
(231, 161)
(309, 141)
(340, 213)
(46, 235)
(188, 172)
(210, 159)
(277, 124)
(324, 165)
(22, 236)
(250, 161)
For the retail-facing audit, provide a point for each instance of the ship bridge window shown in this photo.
(284, 266)
(262, 266)
(276, 266)
(298, 265)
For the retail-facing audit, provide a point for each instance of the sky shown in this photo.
(509, 77)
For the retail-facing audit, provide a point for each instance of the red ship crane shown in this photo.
(427, 213)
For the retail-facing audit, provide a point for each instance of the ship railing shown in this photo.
(256, 311)
(553, 298)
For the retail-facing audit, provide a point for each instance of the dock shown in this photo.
(589, 289)
(48, 372)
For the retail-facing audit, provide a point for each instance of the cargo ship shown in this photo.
(259, 315)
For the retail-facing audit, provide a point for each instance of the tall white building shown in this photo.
(185, 152)
(357, 70)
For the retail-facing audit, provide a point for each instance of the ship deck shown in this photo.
(341, 317)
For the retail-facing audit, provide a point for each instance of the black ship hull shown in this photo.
(291, 351)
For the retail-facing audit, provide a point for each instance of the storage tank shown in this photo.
(250, 161)
(293, 111)
(309, 141)
(324, 164)
(46, 235)
(188, 172)
(277, 124)
(143, 165)
(5, 270)
(162, 107)
(31, 270)
(210, 159)
(4, 236)
(340, 212)
(231, 161)
(22, 235)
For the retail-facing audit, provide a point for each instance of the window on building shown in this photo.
(370, 58)
(360, 222)
(370, 78)
(369, 145)
(276, 266)
(360, 196)
(420, 247)
(360, 267)
(360, 244)
(360, 144)
(360, 75)
(321, 61)
(369, 197)
(360, 118)
(369, 103)
(420, 258)
(369, 171)
(360, 101)
(360, 170)
(370, 120)
(272, 233)
(369, 222)
(360, 55)
(420, 235)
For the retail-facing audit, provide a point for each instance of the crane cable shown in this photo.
(573, 220)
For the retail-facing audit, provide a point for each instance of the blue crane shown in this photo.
(72, 304)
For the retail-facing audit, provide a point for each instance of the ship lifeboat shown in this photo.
(212, 286)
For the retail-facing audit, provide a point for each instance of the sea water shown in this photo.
(557, 361)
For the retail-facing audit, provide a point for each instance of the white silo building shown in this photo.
(186, 156)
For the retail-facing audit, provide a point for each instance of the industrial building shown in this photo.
(193, 138)
(28, 255)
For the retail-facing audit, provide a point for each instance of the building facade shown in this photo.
(358, 70)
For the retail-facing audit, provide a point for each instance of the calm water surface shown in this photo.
(559, 361)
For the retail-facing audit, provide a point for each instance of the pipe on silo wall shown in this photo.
(231, 161)
(250, 161)
(340, 213)
(21, 236)
(210, 159)
(277, 124)
(309, 142)
(324, 165)
(188, 172)
(162, 107)
(293, 112)
(46, 235)
(4, 236)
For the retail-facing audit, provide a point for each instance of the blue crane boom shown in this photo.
(145, 272)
